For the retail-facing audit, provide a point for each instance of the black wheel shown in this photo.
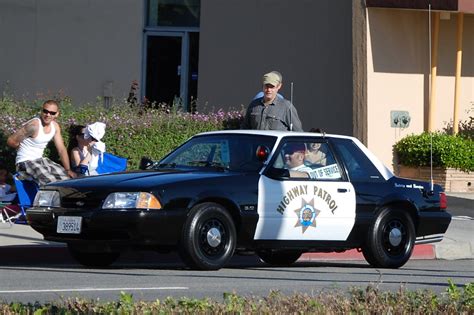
(279, 257)
(390, 239)
(93, 259)
(209, 237)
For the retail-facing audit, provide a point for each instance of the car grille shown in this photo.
(80, 203)
(81, 200)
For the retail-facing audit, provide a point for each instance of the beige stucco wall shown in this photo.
(74, 46)
(398, 74)
(308, 41)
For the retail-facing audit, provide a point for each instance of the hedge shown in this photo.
(131, 132)
(449, 151)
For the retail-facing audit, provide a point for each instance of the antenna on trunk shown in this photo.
(429, 92)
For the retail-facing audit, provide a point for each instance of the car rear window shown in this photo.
(358, 165)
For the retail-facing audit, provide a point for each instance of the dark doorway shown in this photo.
(163, 69)
(172, 68)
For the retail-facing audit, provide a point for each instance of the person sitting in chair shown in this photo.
(89, 149)
(80, 151)
(31, 140)
(8, 211)
(7, 193)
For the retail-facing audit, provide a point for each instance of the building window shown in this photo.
(173, 13)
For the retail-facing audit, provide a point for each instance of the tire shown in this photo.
(93, 259)
(209, 237)
(279, 257)
(390, 239)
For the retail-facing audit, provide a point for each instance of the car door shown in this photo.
(309, 201)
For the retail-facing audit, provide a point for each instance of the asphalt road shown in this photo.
(244, 276)
(458, 206)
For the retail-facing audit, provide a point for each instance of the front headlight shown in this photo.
(47, 198)
(131, 200)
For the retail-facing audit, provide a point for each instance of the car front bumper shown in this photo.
(120, 228)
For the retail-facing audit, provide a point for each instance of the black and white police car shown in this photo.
(278, 194)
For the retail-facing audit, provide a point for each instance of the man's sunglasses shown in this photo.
(45, 111)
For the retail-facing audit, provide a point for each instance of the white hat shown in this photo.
(95, 130)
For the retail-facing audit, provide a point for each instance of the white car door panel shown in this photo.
(305, 210)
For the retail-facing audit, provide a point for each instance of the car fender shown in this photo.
(399, 200)
(218, 196)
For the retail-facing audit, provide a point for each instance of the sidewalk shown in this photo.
(20, 244)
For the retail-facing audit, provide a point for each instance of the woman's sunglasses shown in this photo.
(45, 111)
(92, 138)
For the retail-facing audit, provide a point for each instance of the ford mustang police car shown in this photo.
(277, 194)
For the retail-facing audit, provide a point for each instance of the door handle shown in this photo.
(341, 190)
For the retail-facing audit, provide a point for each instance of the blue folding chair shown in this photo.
(26, 192)
(111, 163)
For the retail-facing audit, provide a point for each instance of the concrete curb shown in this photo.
(425, 251)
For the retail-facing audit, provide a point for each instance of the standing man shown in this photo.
(271, 112)
(31, 140)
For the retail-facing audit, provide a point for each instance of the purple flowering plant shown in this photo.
(131, 131)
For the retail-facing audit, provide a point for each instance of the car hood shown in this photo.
(142, 179)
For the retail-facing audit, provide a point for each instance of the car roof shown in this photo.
(384, 170)
(276, 133)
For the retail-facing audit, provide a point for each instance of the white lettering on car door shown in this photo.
(305, 210)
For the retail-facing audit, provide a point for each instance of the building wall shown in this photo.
(79, 48)
(309, 42)
(398, 70)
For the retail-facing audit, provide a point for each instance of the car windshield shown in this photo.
(235, 152)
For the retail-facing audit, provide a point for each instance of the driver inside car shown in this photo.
(294, 155)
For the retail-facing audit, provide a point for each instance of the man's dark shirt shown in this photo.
(276, 116)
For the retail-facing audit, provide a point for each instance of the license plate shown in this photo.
(69, 225)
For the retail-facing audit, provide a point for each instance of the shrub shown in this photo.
(130, 132)
(448, 151)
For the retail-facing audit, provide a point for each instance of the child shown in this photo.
(6, 190)
(8, 211)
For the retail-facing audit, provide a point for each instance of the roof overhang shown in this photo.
(465, 6)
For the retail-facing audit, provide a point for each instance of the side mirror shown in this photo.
(262, 153)
(145, 163)
(277, 173)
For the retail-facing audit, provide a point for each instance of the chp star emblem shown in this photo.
(306, 215)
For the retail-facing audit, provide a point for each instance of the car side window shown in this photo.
(201, 154)
(358, 165)
(225, 152)
(310, 160)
